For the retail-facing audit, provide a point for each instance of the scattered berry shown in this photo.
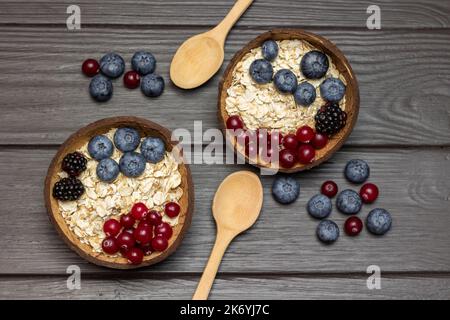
(319, 141)
(285, 81)
(107, 170)
(101, 88)
(100, 147)
(143, 62)
(329, 188)
(368, 193)
(90, 67)
(261, 71)
(285, 189)
(305, 94)
(112, 65)
(126, 241)
(112, 227)
(152, 85)
(131, 79)
(164, 229)
(314, 64)
(132, 164)
(287, 158)
(74, 164)
(269, 50)
(143, 234)
(154, 218)
(290, 142)
(135, 256)
(319, 206)
(127, 139)
(357, 171)
(379, 221)
(305, 134)
(332, 89)
(353, 226)
(172, 209)
(139, 211)
(153, 149)
(305, 154)
(330, 119)
(110, 245)
(327, 231)
(349, 202)
(235, 123)
(127, 220)
(159, 243)
(68, 189)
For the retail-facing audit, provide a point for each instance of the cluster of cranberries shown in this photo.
(299, 147)
(140, 232)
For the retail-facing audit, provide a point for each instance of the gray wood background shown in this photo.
(403, 131)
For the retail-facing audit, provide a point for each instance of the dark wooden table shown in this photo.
(403, 132)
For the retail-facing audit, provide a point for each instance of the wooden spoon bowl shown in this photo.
(343, 66)
(78, 139)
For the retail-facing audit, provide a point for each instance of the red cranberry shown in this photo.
(287, 158)
(172, 209)
(110, 246)
(154, 218)
(159, 243)
(125, 241)
(127, 220)
(319, 141)
(275, 138)
(129, 230)
(143, 234)
(135, 255)
(112, 227)
(369, 193)
(305, 154)
(268, 153)
(145, 223)
(139, 211)
(90, 67)
(146, 248)
(290, 141)
(263, 138)
(234, 123)
(329, 188)
(353, 226)
(131, 79)
(164, 229)
(305, 134)
(251, 150)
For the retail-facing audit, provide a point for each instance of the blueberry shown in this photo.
(314, 65)
(153, 149)
(112, 65)
(327, 231)
(357, 171)
(126, 139)
(332, 89)
(152, 85)
(319, 206)
(100, 147)
(107, 170)
(101, 88)
(285, 189)
(305, 94)
(269, 50)
(132, 164)
(349, 202)
(261, 71)
(143, 63)
(285, 81)
(379, 221)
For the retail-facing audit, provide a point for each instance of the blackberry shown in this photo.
(74, 164)
(330, 118)
(68, 189)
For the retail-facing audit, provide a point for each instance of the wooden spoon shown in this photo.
(236, 206)
(201, 56)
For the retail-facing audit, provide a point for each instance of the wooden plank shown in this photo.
(403, 76)
(339, 13)
(414, 187)
(226, 287)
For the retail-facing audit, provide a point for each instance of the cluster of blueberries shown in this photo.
(286, 190)
(112, 66)
(131, 163)
(314, 65)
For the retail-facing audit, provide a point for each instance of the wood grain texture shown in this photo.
(414, 186)
(403, 76)
(271, 13)
(226, 287)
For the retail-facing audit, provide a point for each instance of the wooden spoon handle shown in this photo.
(209, 274)
(222, 29)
